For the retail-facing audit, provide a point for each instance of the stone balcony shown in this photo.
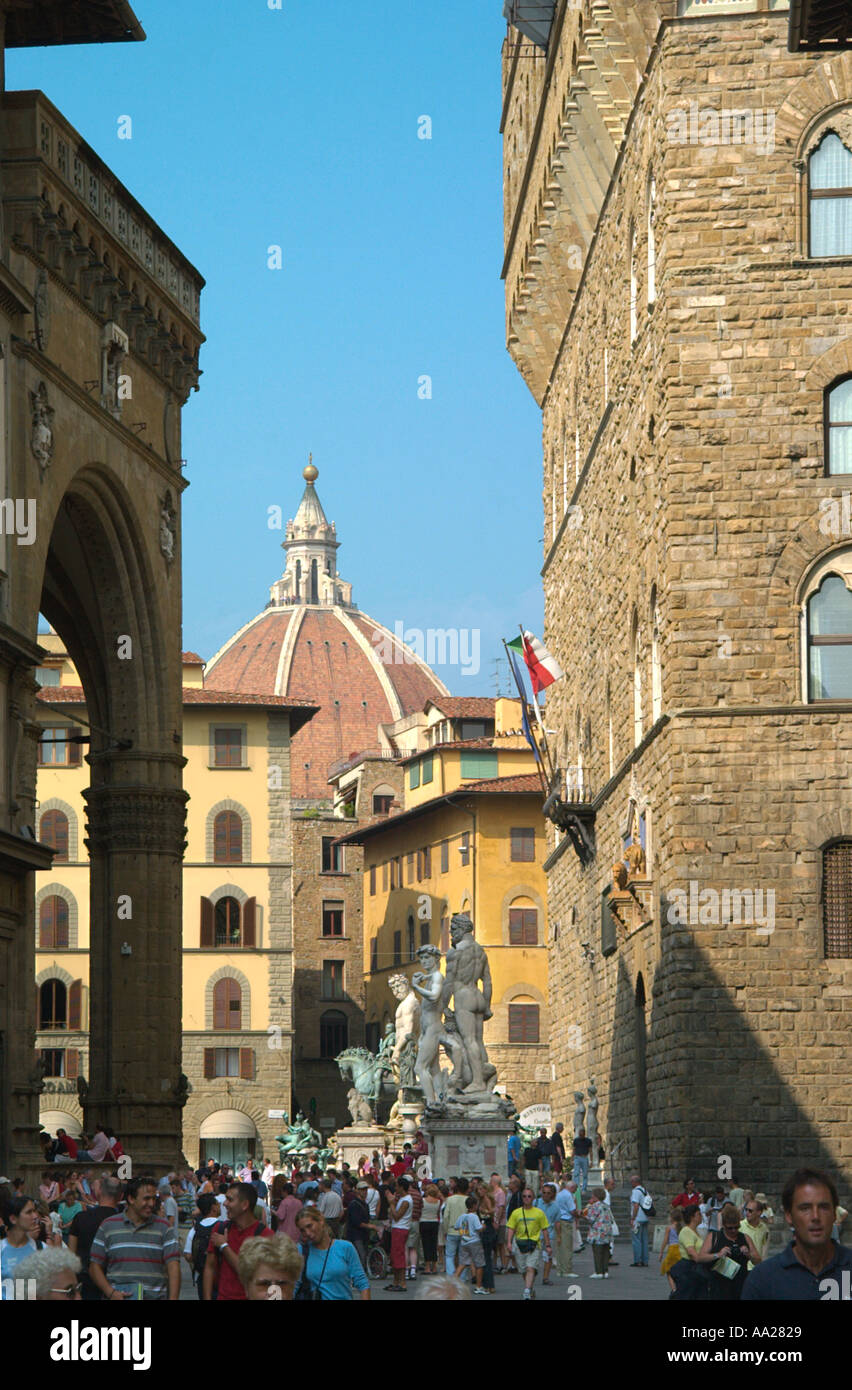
(66, 210)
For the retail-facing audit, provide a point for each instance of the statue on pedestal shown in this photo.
(406, 1026)
(467, 966)
(592, 1114)
(579, 1113)
(429, 984)
(359, 1108)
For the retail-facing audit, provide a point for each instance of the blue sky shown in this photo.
(299, 128)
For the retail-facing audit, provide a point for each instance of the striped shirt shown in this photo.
(130, 1254)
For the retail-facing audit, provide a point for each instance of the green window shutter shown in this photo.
(428, 765)
(475, 766)
(413, 776)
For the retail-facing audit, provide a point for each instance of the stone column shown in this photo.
(136, 845)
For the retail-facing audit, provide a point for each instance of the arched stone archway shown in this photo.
(94, 294)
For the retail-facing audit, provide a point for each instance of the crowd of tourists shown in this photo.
(260, 1233)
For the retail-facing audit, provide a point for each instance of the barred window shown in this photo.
(837, 900)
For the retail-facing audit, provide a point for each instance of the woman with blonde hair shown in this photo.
(331, 1266)
(429, 1221)
(269, 1269)
(671, 1251)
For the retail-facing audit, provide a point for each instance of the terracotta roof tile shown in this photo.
(192, 659)
(464, 706)
(75, 695)
(526, 784)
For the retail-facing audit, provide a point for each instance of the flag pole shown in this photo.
(525, 707)
(550, 766)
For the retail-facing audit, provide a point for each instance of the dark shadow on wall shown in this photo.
(697, 1084)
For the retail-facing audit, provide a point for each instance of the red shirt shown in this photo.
(399, 1168)
(230, 1288)
(70, 1146)
(687, 1199)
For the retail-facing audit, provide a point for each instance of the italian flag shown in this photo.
(543, 668)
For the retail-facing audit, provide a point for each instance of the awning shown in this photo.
(532, 18)
(60, 1119)
(228, 1124)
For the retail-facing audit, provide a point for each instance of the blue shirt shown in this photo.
(550, 1209)
(10, 1257)
(335, 1274)
(784, 1279)
(513, 1146)
(565, 1205)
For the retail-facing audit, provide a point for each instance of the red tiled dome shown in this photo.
(339, 659)
(311, 643)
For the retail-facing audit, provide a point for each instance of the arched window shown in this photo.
(227, 1004)
(830, 198)
(53, 831)
(523, 923)
(829, 641)
(634, 288)
(652, 239)
(53, 1005)
(314, 594)
(656, 669)
(334, 1033)
(837, 900)
(298, 579)
(383, 797)
(53, 923)
(838, 427)
(227, 921)
(228, 838)
(637, 683)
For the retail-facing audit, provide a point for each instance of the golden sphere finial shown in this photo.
(310, 474)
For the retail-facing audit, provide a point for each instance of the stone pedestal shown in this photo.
(467, 1147)
(356, 1140)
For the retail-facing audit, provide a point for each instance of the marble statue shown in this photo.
(467, 967)
(359, 1108)
(429, 985)
(579, 1113)
(406, 1027)
(592, 1113)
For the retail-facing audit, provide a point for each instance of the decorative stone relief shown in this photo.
(168, 527)
(41, 441)
(115, 346)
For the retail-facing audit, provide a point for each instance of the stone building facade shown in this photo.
(679, 279)
(98, 309)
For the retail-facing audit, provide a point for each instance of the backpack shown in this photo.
(647, 1203)
(198, 1249)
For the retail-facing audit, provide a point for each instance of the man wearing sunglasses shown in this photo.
(756, 1230)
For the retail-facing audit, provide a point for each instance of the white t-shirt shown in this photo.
(372, 1198)
(470, 1226)
(636, 1196)
(403, 1223)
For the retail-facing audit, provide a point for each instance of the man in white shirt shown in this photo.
(268, 1172)
(566, 1218)
(372, 1198)
(638, 1223)
(331, 1206)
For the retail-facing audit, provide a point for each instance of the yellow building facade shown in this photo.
(237, 910)
(469, 837)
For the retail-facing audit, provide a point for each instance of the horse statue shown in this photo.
(367, 1072)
